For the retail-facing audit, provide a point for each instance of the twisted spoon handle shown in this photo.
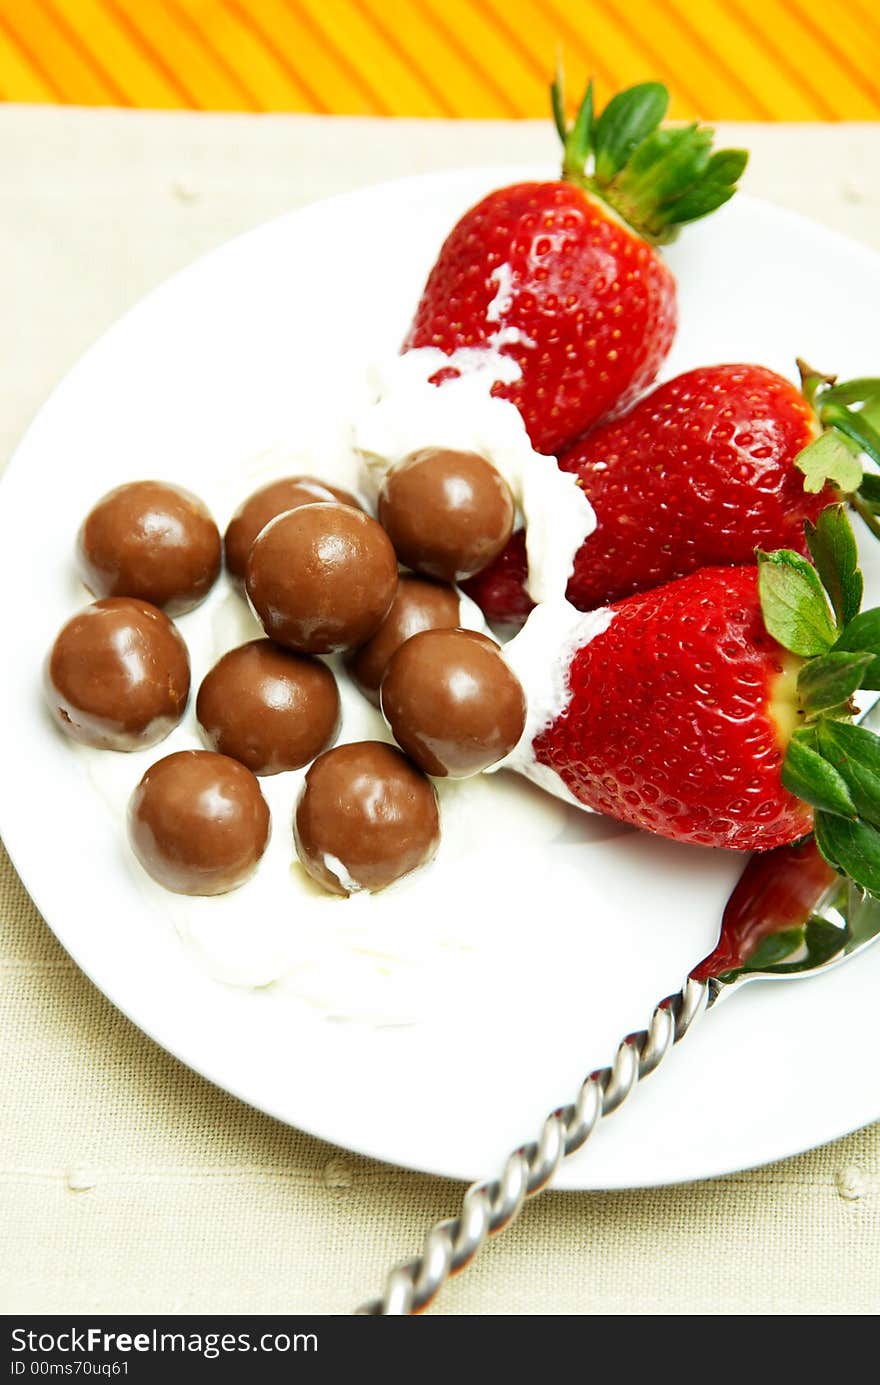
(492, 1205)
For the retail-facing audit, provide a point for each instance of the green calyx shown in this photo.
(848, 415)
(814, 610)
(656, 178)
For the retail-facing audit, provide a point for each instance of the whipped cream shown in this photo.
(540, 656)
(408, 414)
(280, 934)
(325, 454)
(334, 866)
(502, 278)
(281, 930)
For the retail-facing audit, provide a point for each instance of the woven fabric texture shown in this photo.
(127, 1183)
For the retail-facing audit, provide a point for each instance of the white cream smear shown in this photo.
(385, 959)
(382, 960)
(394, 958)
(409, 413)
(540, 656)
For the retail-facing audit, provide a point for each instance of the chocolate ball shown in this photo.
(268, 708)
(151, 540)
(448, 514)
(269, 501)
(365, 817)
(198, 823)
(322, 578)
(452, 703)
(117, 676)
(418, 605)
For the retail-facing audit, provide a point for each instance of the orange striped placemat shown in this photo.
(733, 59)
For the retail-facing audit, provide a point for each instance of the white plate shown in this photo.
(436, 1027)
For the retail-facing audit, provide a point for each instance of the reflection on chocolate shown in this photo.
(322, 578)
(269, 501)
(117, 676)
(418, 605)
(365, 818)
(151, 540)
(452, 703)
(448, 514)
(268, 708)
(198, 823)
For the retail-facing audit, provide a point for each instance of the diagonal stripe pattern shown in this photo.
(721, 59)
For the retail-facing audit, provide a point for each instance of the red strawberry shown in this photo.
(705, 469)
(669, 725)
(564, 276)
(499, 590)
(777, 893)
(717, 708)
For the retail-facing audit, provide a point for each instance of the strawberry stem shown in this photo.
(812, 380)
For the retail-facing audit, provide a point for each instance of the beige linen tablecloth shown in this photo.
(128, 1184)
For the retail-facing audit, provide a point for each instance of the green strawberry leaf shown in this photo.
(823, 841)
(867, 512)
(832, 546)
(580, 140)
(658, 165)
(862, 636)
(716, 186)
(655, 179)
(810, 777)
(793, 603)
(853, 848)
(847, 430)
(854, 426)
(854, 752)
(557, 101)
(829, 681)
(829, 459)
(727, 165)
(869, 489)
(870, 410)
(862, 391)
(577, 141)
(629, 118)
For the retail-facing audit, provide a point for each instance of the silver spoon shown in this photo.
(789, 916)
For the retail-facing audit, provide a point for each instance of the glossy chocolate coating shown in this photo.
(452, 702)
(418, 605)
(198, 823)
(151, 540)
(365, 818)
(269, 501)
(117, 676)
(448, 514)
(322, 578)
(269, 708)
